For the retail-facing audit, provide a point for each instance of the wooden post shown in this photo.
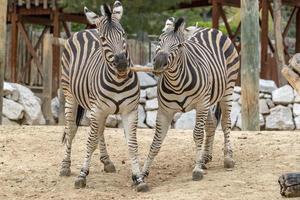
(215, 14)
(250, 64)
(14, 44)
(298, 31)
(3, 8)
(47, 78)
(279, 50)
(264, 33)
(56, 52)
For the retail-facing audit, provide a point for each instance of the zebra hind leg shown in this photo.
(69, 132)
(210, 129)
(96, 129)
(198, 135)
(226, 104)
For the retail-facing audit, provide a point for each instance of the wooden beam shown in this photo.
(69, 17)
(279, 50)
(47, 80)
(222, 13)
(287, 27)
(3, 8)
(250, 64)
(264, 32)
(14, 45)
(56, 53)
(68, 32)
(215, 14)
(297, 49)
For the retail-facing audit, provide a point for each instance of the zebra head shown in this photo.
(169, 43)
(112, 37)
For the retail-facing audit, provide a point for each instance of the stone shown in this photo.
(111, 121)
(236, 96)
(141, 117)
(151, 104)
(151, 92)
(239, 121)
(263, 107)
(280, 118)
(235, 111)
(261, 95)
(297, 122)
(10, 92)
(12, 110)
(297, 97)
(270, 103)
(186, 120)
(261, 120)
(146, 80)
(143, 96)
(237, 89)
(55, 107)
(151, 118)
(267, 96)
(32, 107)
(283, 95)
(267, 86)
(296, 109)
(7, 122)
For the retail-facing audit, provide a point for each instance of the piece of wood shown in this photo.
(250, 64)
(47, 80)
(14, 45)
(292, 77)
(279, 50)
(3, 8)
(297, 49)
(139, 68)
(215, 14)
(264, 32)
(290, 184)
(295, 62)
(56, 53)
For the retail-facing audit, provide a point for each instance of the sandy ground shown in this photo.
(30, 159)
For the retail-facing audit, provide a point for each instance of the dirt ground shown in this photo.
(30, 159)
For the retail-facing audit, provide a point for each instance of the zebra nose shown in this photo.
(120, 61)
(160, 61)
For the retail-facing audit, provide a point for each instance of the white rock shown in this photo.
(151, 118)
(33, 112)
(146, 80)
(281, 118)
(151, 104)
(296, 109)
(297, 122)
(267, 86)
(236, 96)
(283, 95)
(235, 111)
(297, 97)
(111, 121)
(55, 107)
(186, 120)
(263, 107)
(177, 116)
(10, 92)
(12, 110)
(141, 117)
(237, 89)
(151, 92)
(270, 103)
(6, 121)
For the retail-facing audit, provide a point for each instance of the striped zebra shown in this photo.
(96, 77)
(195, 73)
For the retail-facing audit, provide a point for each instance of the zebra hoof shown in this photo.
(65, 172)
(228, 162)
(80, 182)
(142, 187)
(197, 175)
(109, 168)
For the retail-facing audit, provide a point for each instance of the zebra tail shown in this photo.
(79, 115)
(218, 113)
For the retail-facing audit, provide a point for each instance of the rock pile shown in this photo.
(21, 106)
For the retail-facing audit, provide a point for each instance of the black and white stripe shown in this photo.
(96, 76)
(195, 73)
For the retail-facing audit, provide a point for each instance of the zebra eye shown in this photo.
(102, 39)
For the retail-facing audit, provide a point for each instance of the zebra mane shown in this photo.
(107, 11)
(178, 23)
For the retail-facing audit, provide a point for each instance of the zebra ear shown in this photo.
(117, 11)
(169, 25)
(90, 16)
(179, 25)
(105, 10)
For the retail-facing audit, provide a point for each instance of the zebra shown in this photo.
(195, 73)
(96, 76)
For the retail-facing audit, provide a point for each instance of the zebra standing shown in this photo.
(195, 73)
(96, 76)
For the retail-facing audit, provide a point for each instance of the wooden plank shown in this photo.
(297, 49)
(250, 64)
(287, 27)
(215, 14)
(47, 80)
(14, 45)
(279, 50)
(292, 77)
(3, 8)
(222, 13)
(56, 53)
(28, 4)
(78, 18)
(264, 32)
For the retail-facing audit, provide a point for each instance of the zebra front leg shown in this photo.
(96, 128)
(226, 127)
(210, 129)
(163, 121)
(130, 124)
(109, 166)
(198, 134)
(69, 133)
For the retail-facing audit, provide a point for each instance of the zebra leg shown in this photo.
(96, 129)
(69, 133)
(210, 129)
(226, 104)
(130, 124)
(198, 135)
(163, 121)
(109, 166)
